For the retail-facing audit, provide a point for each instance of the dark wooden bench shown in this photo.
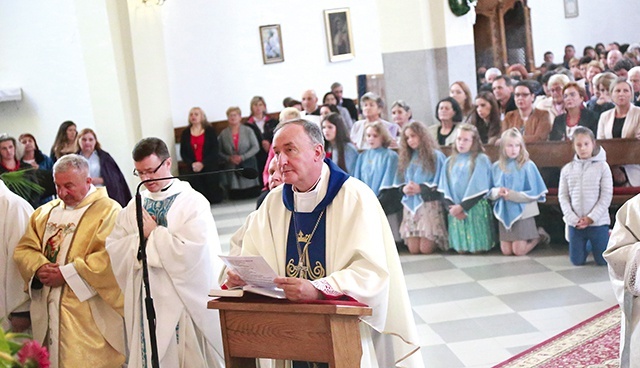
(558, 154)
(219, 126)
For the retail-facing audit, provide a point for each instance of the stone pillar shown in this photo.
(425, 48)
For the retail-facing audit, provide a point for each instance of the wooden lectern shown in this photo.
(259, 327)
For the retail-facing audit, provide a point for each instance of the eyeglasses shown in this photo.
(147, 173)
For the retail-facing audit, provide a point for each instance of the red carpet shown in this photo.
(591, 343)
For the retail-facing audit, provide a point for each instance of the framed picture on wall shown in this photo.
(271, 39)
(570, 8)
(339, 36)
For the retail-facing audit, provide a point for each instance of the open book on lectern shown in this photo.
(255, 271)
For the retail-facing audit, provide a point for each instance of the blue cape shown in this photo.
(459, 183)
(377, 168)
(526, 180)
(416, 174)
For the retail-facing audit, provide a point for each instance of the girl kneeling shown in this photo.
(518, 187)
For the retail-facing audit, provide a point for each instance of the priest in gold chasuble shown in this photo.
(76, 303)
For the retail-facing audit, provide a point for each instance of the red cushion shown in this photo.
(626, 190)
(616, 190)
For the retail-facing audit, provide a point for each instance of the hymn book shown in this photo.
(255, 271)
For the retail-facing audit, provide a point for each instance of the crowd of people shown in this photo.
(78, 254)
(24, 154)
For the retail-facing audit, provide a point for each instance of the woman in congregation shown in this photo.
(32, 153)
(449, 115)
(199, 151)
(419, 165)
(33, 156)
(238, 148)
(576, 114)
(372, 106)
(517, 189)
(263, 126)
(486, 117)
(65, 141)
(337, 146)
(623, 121)
(602, 100)
(533, 123)
(585, 194)
(401, 114)
(461, 92)
(331, 99)
(377, 166)
(465, 180)
(103, 169)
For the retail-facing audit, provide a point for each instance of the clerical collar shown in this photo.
(307, 201)
(167, 186)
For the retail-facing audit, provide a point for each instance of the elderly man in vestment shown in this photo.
(14, 303)
(326, 235)
(76, 304)
(181, 246)
(623, 258)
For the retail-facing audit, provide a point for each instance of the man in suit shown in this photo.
(347, 103)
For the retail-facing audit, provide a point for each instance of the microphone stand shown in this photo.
(142, 252)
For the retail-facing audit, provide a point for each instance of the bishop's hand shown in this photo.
(298, 289)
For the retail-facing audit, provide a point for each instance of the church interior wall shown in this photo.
(597, 21)
(166, 59)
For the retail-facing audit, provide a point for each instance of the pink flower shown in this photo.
(33, 355)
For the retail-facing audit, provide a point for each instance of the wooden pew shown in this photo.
(558, 154)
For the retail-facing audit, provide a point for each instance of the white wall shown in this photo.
(214, 58)
(598, 21)
(41, 53)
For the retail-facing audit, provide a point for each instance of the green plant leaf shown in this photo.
(22, 185)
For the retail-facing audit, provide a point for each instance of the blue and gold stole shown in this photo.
(307, 237)
(306, 240)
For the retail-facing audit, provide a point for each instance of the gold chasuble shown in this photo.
(80, 322)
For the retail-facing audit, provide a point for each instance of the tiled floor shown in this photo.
(478, 310)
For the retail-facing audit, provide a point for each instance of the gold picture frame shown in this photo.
(339, 35)
(271, 44)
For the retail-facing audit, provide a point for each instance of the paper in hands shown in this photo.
(256, 272)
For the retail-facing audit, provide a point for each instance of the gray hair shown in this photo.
(6, 137)
(335, 85)
(492, 71)
(312, 129)
(634, 70)
(618, 81)
(71, 162)
(558, 78)
(370, 96)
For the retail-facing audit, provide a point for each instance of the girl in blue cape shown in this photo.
(465, 180)
(423, 227)
(377, 166)
(517, 189)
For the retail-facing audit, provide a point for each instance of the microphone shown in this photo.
(245, 172)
